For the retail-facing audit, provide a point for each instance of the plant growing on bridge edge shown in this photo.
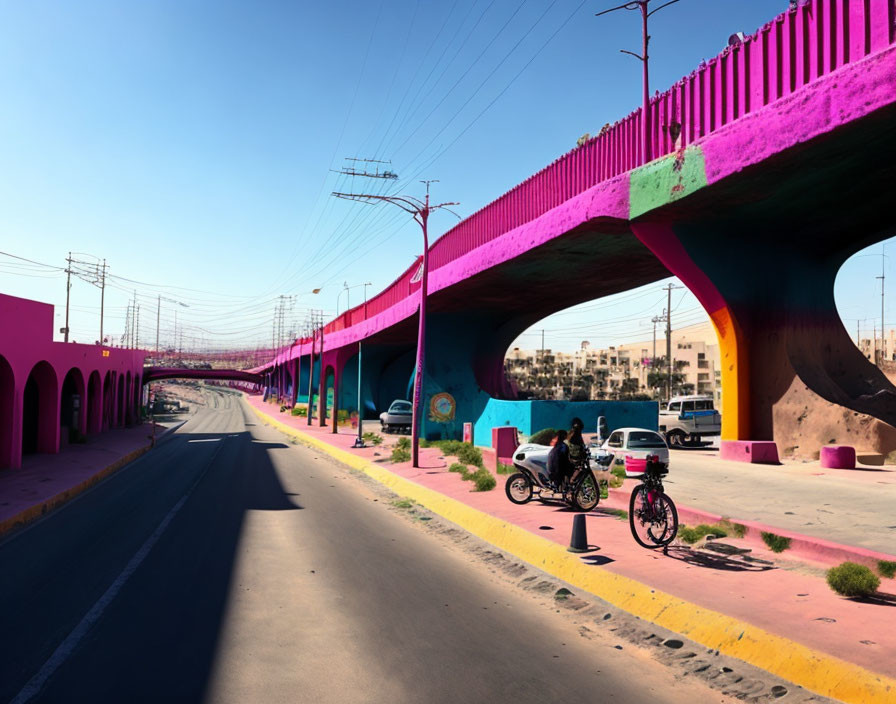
(853, 580)
(300, 411)
(776, 543)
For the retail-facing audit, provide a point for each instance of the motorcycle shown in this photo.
(581, 491)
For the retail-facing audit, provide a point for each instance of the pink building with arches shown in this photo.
(55, 392)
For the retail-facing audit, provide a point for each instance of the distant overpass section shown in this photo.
(151, 374)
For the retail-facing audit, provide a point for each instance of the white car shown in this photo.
(399, 416)
(636, 443)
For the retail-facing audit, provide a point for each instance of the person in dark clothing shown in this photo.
(577, 450)
(559, 466)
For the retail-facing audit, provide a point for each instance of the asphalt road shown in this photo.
(228, 565)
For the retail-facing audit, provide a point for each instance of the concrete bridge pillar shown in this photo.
(772, 305)
(464, 369)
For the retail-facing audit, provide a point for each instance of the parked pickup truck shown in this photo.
(689, 418)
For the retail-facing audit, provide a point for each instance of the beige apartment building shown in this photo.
(621, 371)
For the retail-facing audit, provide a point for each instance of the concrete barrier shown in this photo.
(838, 457)
(753, 451)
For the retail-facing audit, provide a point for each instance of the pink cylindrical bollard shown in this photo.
(838, 457)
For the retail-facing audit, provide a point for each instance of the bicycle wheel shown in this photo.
(653, 524)
(586, 494)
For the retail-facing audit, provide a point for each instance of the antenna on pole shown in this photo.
(352, 171)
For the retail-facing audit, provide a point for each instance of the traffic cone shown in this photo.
(579, 541)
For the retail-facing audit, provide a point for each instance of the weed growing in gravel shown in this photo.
(852, 579)
(887, 568)
(372, 438)
(403, 444)
(692, 535)
(483, 479)
(776, 543)
(399, 455)
(738, 530)
(620, 513)
(403, 503)
(505, 468)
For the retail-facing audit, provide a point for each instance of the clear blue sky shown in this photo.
(190, 144)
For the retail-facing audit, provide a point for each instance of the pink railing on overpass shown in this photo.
(796, 47)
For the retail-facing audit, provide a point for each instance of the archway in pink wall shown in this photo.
(40, 410)
(72, 407)
(7, 404)
(119, 403)
(94, 410)
(108, 399)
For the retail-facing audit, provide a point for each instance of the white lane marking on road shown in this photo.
(207, 440)
(68, 646)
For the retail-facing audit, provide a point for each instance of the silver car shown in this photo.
(399, 416)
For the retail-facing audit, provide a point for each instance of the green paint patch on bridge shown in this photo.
(666, 180)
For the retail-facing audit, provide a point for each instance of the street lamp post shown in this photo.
(159, 316)
(644, 59)
(420, 211)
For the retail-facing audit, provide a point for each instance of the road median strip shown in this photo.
(797, 663)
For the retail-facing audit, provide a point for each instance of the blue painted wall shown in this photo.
(531, 416)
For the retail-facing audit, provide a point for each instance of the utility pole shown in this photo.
(669, 364)
(102, 298)
(882, 327)
(311, 367)
(420, 211)
(68, 289)
(656, 319)
(643, 57)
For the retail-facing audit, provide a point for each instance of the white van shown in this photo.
(689, 418)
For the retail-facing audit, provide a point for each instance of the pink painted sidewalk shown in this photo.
(794, 603)
(46, 482)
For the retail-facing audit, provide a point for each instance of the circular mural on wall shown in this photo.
(442, 407)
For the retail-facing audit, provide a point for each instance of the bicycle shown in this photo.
(650, 510)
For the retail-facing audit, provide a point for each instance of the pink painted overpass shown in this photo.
(772, 168)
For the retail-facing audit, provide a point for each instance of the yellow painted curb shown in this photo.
(811, 669)
(44, 507)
